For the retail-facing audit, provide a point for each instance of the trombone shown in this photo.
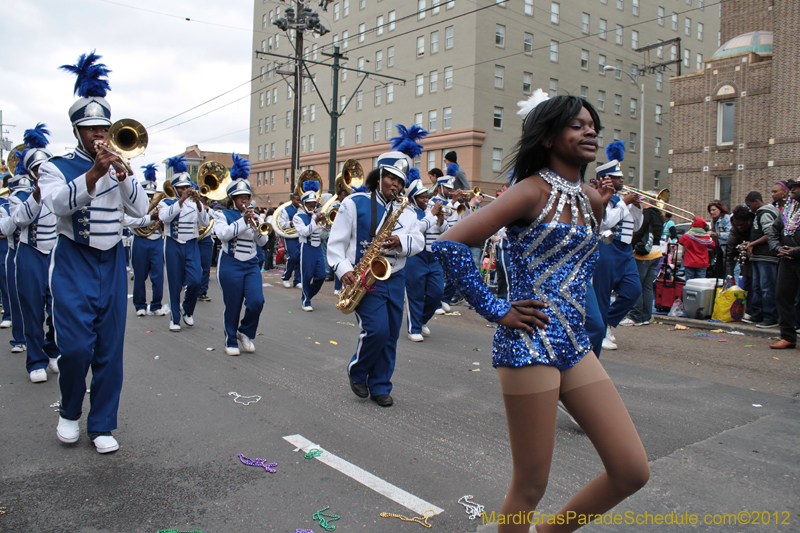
(661, 201)
(128, 139)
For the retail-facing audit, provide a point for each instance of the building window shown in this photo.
(379, 60)
(359, 100)
(420, 46)
(497, 159)
(390, 56)
(618, 69)
(259, 153)
(632, 143)
(585, 59)
(286, 175)
(289, 119)
(674, 21)
(336, 11)
(390, 93)
(554, 51)
(358, 133)
(303, 144)
(657, 147)
(699, 62)
(260, 126)
(378, 94)
(634, 70)
(635, 8)
(553, 86)
(420, 9)
(388, 127)
(633, 107)
(499, 73)
(418, 119)
(686, 54)
(420, 84)
(660, 16)
(500, 35)
(392, 16)
(600, 138)
(436, 8)
(656, 176)
(603, 26)
(529, 7)
(620, 4)
(601, 64)
(434, 42)
(341, 137)
(498, 117)
(451, 4)
(555, 8)
(346, 8)
(700, 29)
(447, 114)
(342, 103)
(659, 81)
(287, 147)
(527, 43)
(658, 114)
(725, 118)
(634, 39)
(261, 100)
(376, 131)
(362, 32)
(345, 38)
(673, 53)
(631, 174)
(432, 120)
(266, 125)
(311, 143)
(585, 23)
(723, 189)
(584, 92)
(618, 34)
(617, 134)
(601, 100)
(379, 25)
(527, 82)
(433, 79)
(617, 104)
(448, 77)
(448, 38)
(431, 159)
(687, 26)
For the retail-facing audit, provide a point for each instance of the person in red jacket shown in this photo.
(696, 243)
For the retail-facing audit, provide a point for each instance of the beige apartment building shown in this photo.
(466, 64)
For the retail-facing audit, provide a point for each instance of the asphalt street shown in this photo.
(719, 420)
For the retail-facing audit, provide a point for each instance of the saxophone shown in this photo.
(154, 225)
(372, 266)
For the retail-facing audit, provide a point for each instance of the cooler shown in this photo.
(667, 291)
(698, 297)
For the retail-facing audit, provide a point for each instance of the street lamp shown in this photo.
(641, 122)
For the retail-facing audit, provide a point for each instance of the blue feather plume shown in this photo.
(406, 142)
(362, 188)
(616, 150)
(177, 164)
(240, 168)
(20, 169)
(452, 168)
(150, 172)
(310, 186)
(36, 136)
(411, 176)
(89, 74)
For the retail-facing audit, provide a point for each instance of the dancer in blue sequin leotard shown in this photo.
(541, 349)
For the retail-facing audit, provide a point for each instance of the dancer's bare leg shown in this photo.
(590, 397)
(531, 396)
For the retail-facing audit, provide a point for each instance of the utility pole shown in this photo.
(334, 113)
(4, 143)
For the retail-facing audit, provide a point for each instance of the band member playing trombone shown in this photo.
(380, 312)
(182, 217)
(237, 270)
(37, 237)
(147, 253)
(89, 191)
(307, 222)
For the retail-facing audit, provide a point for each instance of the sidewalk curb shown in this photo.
(747, 329)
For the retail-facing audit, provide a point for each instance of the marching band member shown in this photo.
(182, 219)
(291, 246)
(237, 270)
(37, 237)
(424, 276)
(89, 191)
(380, 312)
(307, 223)
(616, 268)
(18, 183)
(5, 321)
(341, 194)
(147, 254)
(206, 245)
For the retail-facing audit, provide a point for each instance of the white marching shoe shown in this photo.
(141, 312)
(188, 319)
(608, 344)
(67, 431)
(52, 366)
(174, 327)
(439, 311)
(232, 350)
(306, 308)
(18, 348)
(416, 337)
(425, 330)
(38, 376)
(446, 307)
(5, 324)
(610, 334)
(164, 311)
(287, 284)
(247, 344)
(106, 444)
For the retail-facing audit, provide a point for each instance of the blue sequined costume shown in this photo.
(551, 262)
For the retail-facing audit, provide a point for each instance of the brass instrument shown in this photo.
(12, 160)
(372, 266)
(4, 192)
(459, 210)
(213, 178)
(352, 176)
(288, 233)
(128, 139)
(330, 215)
(154, 225)
(308, 175)
(205, 230)
(661, 201)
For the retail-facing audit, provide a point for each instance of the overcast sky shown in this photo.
(162, 65)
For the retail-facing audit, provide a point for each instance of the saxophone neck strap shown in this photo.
(373, 224)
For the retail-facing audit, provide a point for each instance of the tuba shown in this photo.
(12, 160)
(154, 225)
(308, 175)
(128, 139)
(352, 176)
(372, 266)
(213, 178)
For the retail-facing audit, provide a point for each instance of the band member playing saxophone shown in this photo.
(237, 270)
(380, 312)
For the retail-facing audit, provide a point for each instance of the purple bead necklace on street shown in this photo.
(258, 462)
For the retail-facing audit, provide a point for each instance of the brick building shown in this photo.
(735, 124)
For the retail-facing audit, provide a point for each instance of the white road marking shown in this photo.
(394, 493)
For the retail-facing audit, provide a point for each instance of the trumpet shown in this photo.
(661, 201)
(261, 228)
(459, 210)
(127, 139)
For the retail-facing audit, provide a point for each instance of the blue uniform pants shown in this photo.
(594, 321)
(240, 282)
(424, 277)
(183, 268)
(206, 252)
(89, 319)
(616, 271)
(3, 282)
(35, 304)
(312, 269)
(147, 259)
(380, 315)
(292, 248)
(17, 328)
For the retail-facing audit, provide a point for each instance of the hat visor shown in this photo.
(616, 174)
(94, 121)
(239, 193)
(396, 171)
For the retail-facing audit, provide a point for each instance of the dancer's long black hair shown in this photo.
(542, 125)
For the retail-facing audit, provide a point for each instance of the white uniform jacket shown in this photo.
(429, 225)
(622, 219)
(310, 233)
(36, 222)
(182, 223)
(236, 236)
